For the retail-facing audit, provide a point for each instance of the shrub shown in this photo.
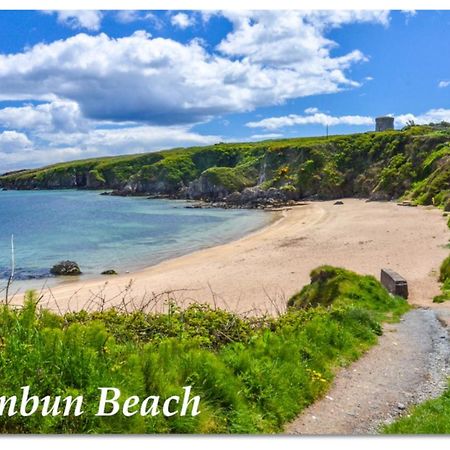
(253, 375)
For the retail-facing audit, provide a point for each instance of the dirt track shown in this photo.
(409, 365)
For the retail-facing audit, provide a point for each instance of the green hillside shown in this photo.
(413, 163)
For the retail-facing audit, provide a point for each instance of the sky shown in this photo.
(81, 84)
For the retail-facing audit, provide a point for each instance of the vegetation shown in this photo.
(444, 278)
(431, 417)
(252, 374)
(413, 163)
(333, 286)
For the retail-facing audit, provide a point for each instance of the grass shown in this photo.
(413, 163)
(431, 417)
(444, 278)
(253, 374)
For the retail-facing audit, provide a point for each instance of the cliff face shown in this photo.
(414, 162)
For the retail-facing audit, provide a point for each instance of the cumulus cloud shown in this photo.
(59, 115)
(30, 158)
(133, 139)
(267, 58)
(17, 151)
(12, 141)
(90, 20)
(433, 115)
(444, 84)
(182, 20)
(313, 117)
(293, 38)
(101, 95)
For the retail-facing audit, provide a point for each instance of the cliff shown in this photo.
(413, 163)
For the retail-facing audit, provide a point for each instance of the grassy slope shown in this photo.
(414, 162)
(253, 375)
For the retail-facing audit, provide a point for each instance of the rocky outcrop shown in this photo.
(256, 197)
(94, 181)
(204, 189)
(66, 268)
(109, 272)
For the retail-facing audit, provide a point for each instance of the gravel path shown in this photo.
(410, 364)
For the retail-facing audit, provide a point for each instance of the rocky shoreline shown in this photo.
(250, 198)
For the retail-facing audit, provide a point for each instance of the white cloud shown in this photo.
(311, 110)
(91, 20)
(293, 38)
(444, 84)
(59, 115)
(182, 20)
(336, 18)
(409, 13)
(12, 141)
(133, 139)
(105, 95)
(268, 58)
(130, 16)
(312, 118)
(433, 115)
(266, 136)
(30, 158)
(17, 151)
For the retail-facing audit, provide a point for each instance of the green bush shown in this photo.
(336, 286)
(253, 375)
(444, 278)
(444, 273)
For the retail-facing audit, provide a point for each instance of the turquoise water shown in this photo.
(103, 232)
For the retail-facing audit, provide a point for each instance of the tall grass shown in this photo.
(253, 375)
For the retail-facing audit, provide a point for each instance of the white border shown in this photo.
(206, 443)
(223, 4)
(217, 443)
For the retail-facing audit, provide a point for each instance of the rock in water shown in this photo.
(66, 268)
(109, 272)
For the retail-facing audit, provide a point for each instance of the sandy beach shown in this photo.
(259, 272)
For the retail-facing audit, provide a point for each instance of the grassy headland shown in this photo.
(253, 375)
(413, 163)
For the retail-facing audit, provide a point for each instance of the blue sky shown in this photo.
(76, 84)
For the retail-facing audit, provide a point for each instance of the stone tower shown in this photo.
(384, 123)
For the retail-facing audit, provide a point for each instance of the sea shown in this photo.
(102, 232)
